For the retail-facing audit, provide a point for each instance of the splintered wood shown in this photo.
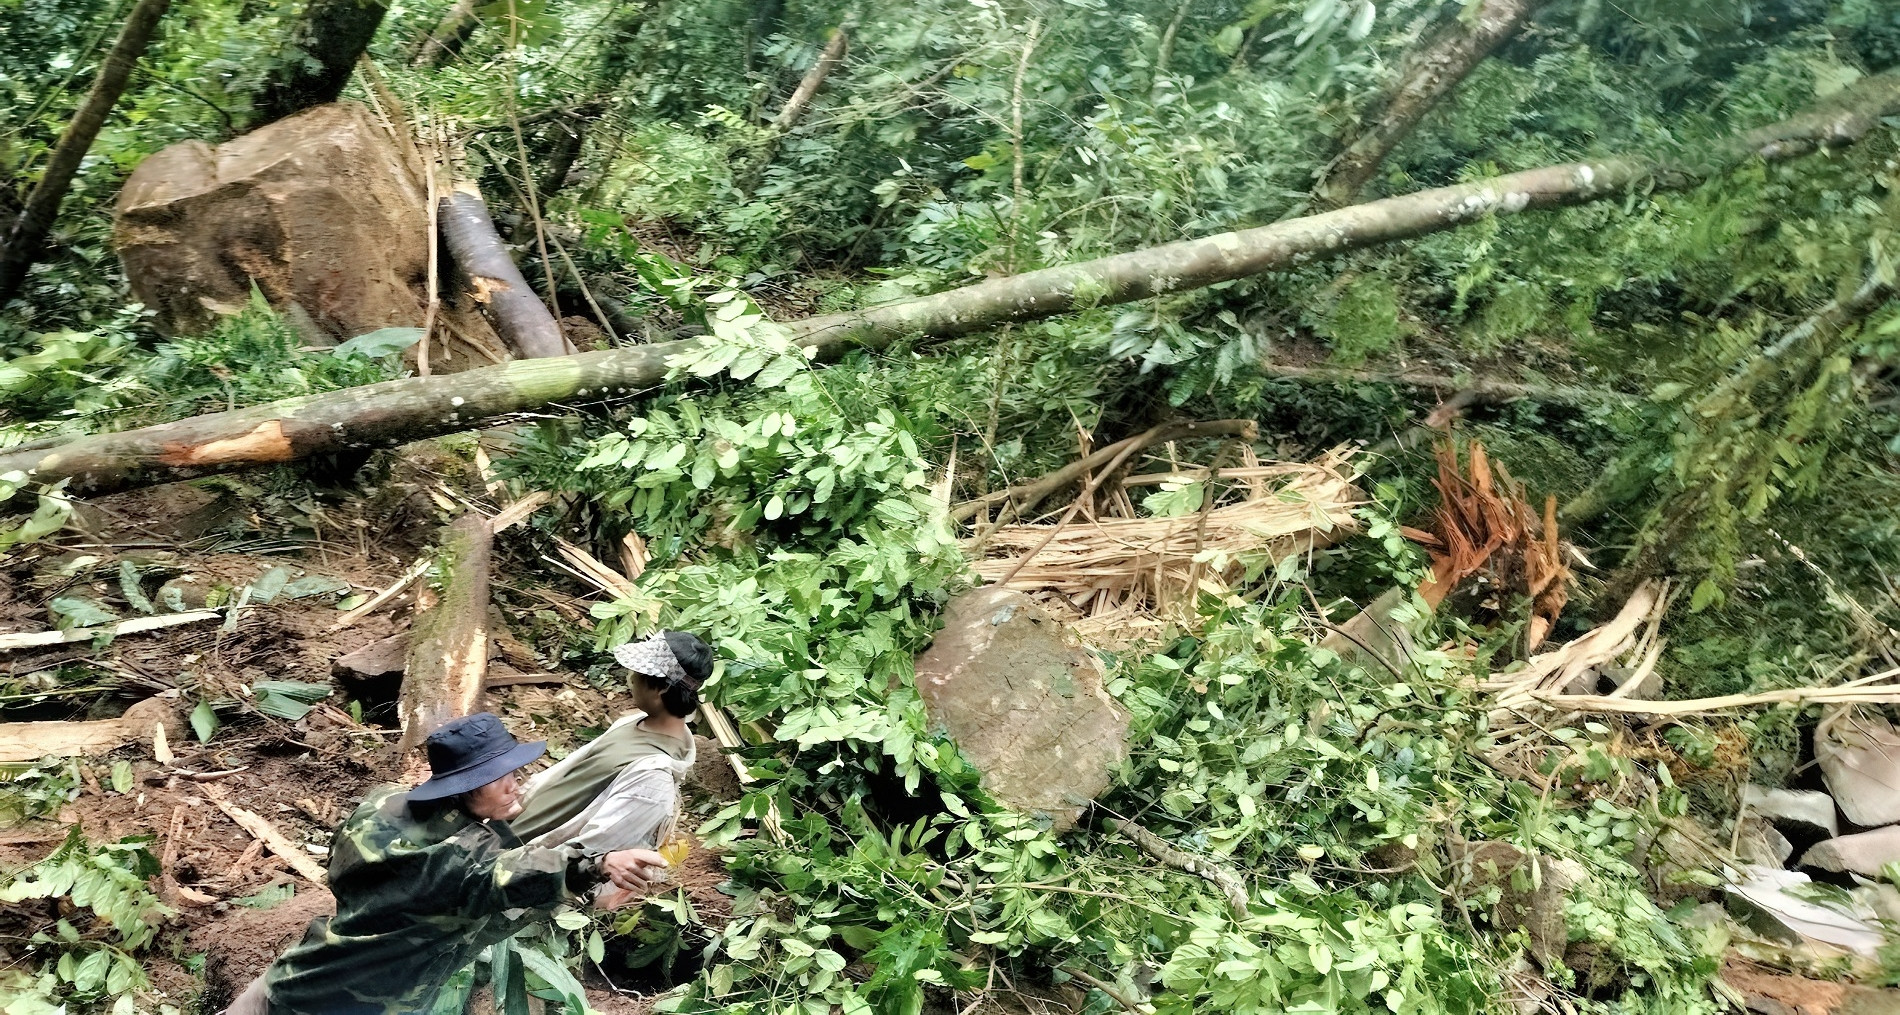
(1120, 571)
(1626, 649)
(1486, 525)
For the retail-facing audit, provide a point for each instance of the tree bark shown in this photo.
(794, 108)
(519, 316)
(448, 647)
(814, 79)
(570, 136)
(28, 231)
(413, 408)
(1426, 76)
(445, 42)
(318, 58)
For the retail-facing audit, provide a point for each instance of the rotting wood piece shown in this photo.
(519, 316)
(448, 656)
(413, 408)
(379, 658)
(31, 741)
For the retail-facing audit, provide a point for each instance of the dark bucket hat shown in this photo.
(471, 752)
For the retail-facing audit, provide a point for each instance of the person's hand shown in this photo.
(634, 870)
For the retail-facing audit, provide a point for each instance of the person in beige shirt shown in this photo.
(621, 790)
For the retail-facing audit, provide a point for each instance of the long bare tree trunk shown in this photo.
(28, 231)
(445, 42)
(318, 57)
(417, 407)
(1426, 75)
(519, 316)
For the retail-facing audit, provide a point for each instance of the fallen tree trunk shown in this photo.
(519, 316)
(27, 234)
(1426, 76)
(448, 648)
(413, 408)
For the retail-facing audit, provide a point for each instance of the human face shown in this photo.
(498, 801)
(646, 697)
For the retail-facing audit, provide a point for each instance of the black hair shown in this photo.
(695, 657)
(675, 696)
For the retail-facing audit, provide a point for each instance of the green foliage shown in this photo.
(81, 965)
(105, 379)
(38, 791)
(796, 515)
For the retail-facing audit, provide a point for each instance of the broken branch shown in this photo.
(267, 833)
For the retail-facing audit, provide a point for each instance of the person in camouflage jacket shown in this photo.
(425, 879)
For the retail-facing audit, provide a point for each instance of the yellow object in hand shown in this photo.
(675, 851)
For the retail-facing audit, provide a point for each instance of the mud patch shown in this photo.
(244, 944)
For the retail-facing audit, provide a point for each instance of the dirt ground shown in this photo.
(302, 777)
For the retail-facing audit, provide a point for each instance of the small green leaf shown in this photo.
(129, 587)
(204, 721)
(122, 777)
(73, 612)
(269, 584)
(267, 897)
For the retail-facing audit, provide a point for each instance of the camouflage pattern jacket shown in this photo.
(419, 894)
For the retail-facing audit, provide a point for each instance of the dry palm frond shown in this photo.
(1131, 569)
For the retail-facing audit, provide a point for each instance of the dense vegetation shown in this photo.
(790, 507)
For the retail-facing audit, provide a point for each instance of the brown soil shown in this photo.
(302, 777)
(1793, 995)
(240, 947)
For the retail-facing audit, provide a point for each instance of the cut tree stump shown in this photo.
(448, 653)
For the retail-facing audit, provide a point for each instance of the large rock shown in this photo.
(1024, 701)
(316, 210)
(1807, 815)
(1865, 854)
(1860, 759)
